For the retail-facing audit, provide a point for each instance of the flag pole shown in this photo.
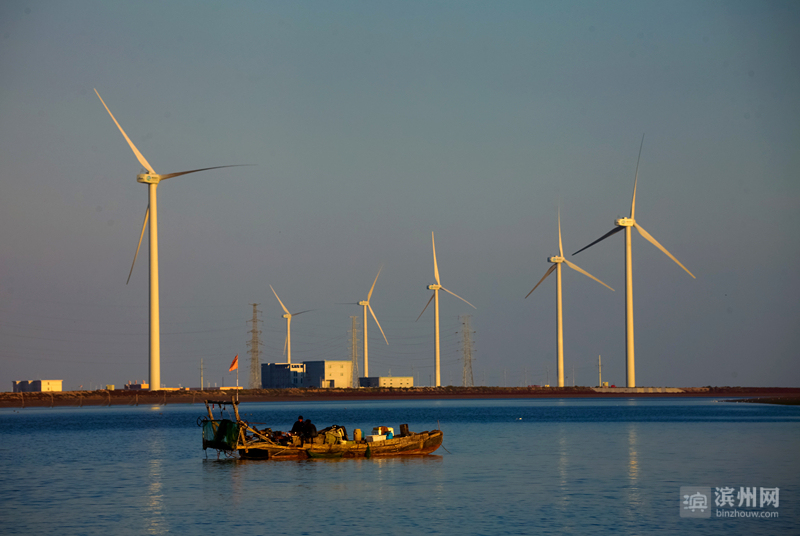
(235, 365)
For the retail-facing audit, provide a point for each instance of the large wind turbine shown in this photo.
(557, 261)
(627, 223)
(435, 297)
(151, 178)
(287, 345)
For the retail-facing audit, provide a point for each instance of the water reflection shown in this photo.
(154, 509)
(563, 457)
(377, 480)
(562, 503)
(634, 489)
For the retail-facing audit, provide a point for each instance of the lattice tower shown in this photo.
(467, 349)
(354, 349)
(254, 348)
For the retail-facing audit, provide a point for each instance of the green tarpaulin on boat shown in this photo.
(220, 435)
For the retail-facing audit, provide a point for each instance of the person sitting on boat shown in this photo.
(309, 431)
(297, 429)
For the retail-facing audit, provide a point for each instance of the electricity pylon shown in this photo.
(466, 347)
(254, 345)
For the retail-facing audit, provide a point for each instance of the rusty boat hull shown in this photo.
(414, 444)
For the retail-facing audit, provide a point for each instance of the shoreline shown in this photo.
(786, 395)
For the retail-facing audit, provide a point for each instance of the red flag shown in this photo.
(234, 363)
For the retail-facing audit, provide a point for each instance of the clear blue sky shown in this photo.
(371, 124)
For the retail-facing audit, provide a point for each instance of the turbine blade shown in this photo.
(459, 297)
(584, 272)
(285, 310)
(373, 283)
(379, 324)
(636, 180)
(139, 155)
(170, 175)
(426, 306)
(659, 246)
(560, 247)
(301, 312)
(611, 232)
(548, 272)
(435, 266)
(285, 343)
(144, 225)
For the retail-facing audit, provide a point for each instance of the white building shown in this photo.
(319, 374)
(36, 386)
(329, 374)
(387, 381)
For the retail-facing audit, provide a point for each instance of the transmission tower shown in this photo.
(354, 349)
(254, 345)
(466, 347)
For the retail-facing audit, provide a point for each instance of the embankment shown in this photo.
(133, 398)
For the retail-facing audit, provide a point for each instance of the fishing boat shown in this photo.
(236, 437)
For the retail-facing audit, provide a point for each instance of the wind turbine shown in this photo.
(557, 261)
(287, 345)
(152, 179)
(365, 304)
(435, 297)
(627, 223)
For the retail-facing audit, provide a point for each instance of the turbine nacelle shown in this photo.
(148, 178)
(434, 287)
(287, 316)
(363, 303)
(556, 259)
(625, 222)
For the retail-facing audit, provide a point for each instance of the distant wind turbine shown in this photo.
(435, 297)
(365, 304)
(627, 223)
(287, 344)
(557, 261)
(151, 178)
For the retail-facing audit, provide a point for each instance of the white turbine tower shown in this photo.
(627, 223)
(287, 344)
(435, 297)
(152, 179)
(557, 261)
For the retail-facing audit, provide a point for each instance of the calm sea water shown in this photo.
(572, 466)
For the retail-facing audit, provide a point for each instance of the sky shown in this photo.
(366, 127)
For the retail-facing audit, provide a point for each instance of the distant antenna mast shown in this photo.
(466, 347)
(255, 345)
(354, 350)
